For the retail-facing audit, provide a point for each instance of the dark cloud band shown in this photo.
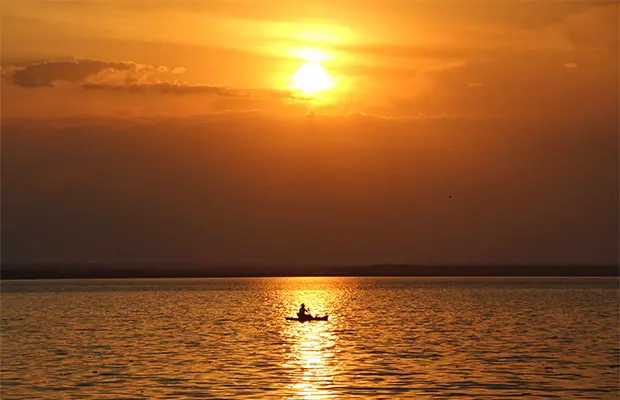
(129, 77)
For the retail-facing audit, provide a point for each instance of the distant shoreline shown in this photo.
(185, 270)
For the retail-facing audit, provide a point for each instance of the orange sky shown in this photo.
(185, 111)
(394, 57)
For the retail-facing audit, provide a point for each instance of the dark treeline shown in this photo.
(63, 271)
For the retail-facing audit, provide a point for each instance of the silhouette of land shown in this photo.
(181, 270)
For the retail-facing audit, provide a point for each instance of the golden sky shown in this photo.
(395, 58)
(457, 131)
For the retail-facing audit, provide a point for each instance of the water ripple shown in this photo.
(386, 337)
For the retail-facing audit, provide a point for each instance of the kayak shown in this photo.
(323, 318)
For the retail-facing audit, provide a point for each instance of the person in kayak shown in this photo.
(303, 312)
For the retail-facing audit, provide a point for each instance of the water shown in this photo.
(386, 337)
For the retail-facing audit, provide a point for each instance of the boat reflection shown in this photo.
(311, 349)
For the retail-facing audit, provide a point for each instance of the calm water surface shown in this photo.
(386, 337)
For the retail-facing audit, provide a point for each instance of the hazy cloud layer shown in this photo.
(250, 187)
(526, 14)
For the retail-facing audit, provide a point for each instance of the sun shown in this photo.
(311, 78)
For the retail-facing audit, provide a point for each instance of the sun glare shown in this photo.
(311, 78)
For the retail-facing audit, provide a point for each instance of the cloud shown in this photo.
(175, 87)
(49, 73)
(595, 28)
(545, 86)
(99, 75)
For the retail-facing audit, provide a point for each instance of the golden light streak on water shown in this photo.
(312, 349)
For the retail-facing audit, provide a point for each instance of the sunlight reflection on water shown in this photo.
(312, 343)
(386, 337)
